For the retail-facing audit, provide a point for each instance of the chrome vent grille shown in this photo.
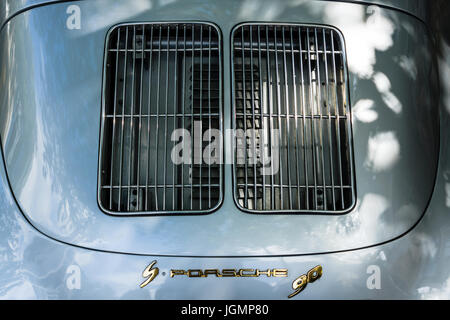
(160, 77)
(290, 98)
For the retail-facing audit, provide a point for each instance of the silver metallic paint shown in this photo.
(33, 265)
(50, 119)
(9, 8)
(412, 267)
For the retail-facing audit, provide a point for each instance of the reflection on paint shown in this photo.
(250, 7)
(444, 65)
(447, 188)
(383, 151)
(363, 111)
(408, 65)
(429, 293)
(373, 33)
(383, 85)
(20, 291)
(120, 11)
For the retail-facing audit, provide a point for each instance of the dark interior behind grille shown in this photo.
(291, 79)
(159, 77)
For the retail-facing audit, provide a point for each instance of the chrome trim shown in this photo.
(220, 121)
(347, 112)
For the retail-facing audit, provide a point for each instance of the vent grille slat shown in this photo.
(159, 78)
(290, 87)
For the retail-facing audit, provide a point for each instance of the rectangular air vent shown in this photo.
(290, 98)
(160, 78)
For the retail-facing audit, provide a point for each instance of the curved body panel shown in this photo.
(412, 267)
(56, 243)
(50, 122)
(9, 8)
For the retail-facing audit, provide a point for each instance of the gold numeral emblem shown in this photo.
(300, 283)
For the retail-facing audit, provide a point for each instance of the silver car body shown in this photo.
(51, 226)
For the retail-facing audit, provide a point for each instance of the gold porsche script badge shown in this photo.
(299, 284)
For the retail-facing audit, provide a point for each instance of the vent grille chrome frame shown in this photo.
(251, 44)
(190, 53)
